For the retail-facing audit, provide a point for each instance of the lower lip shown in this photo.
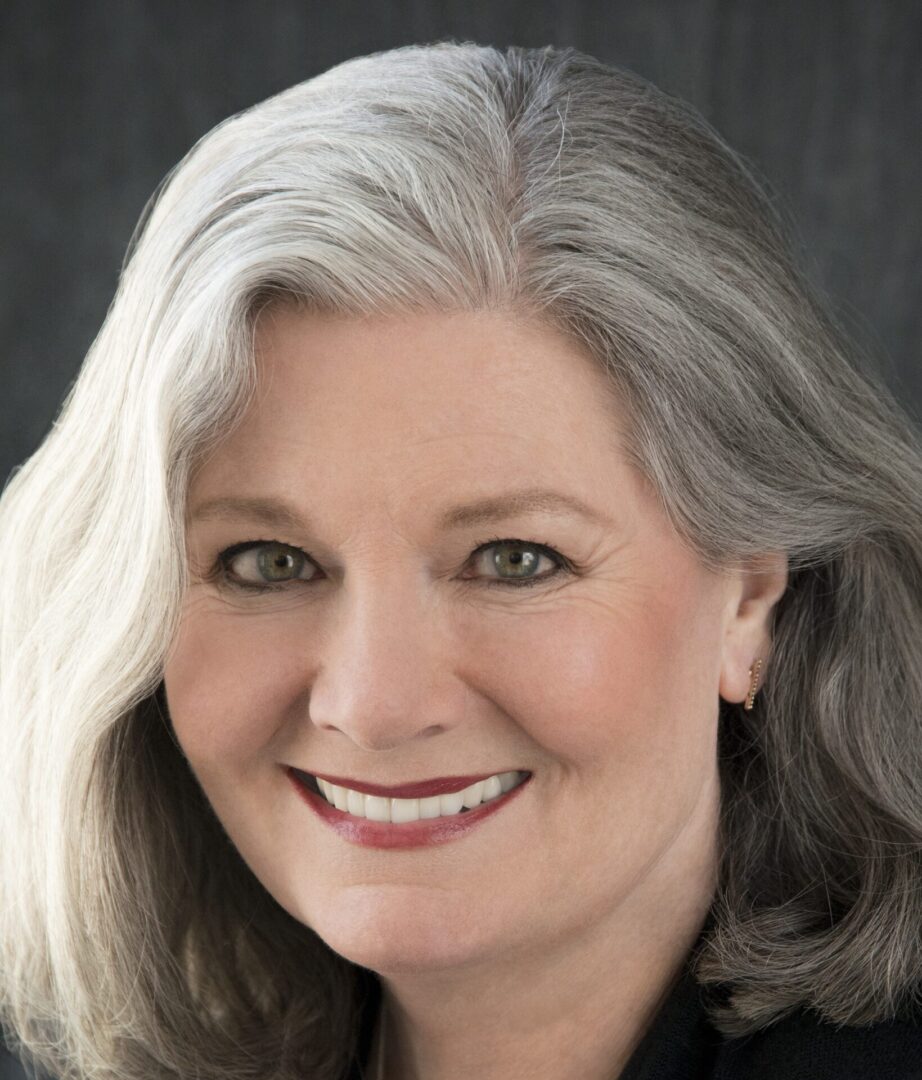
(406, 834)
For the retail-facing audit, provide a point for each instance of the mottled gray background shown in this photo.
(99, 98)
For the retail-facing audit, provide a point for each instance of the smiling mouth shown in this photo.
(397, 810)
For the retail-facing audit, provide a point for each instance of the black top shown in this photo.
(681, 1044)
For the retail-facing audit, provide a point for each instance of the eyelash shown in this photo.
(221, 569)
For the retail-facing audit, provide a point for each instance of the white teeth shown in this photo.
(404, 810)
(492, 787)
(471, 796)
(508, 780)
(450, 804)
(378, 808)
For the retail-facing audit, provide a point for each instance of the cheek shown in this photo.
(621, 681)
(225, 685)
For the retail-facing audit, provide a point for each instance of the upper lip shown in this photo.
(415, 789)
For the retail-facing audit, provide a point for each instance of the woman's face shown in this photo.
(384, 650)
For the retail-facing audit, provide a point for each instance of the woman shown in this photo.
(465, 618)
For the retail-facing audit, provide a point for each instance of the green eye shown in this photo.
(516, 560)
(275, 564)
(522, 564)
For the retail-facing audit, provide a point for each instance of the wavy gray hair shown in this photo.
(134, 941)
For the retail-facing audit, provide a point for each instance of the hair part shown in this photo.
(134, 941)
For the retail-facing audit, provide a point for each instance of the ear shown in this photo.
(756, 587)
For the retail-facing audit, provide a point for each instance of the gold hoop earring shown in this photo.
(754, 682)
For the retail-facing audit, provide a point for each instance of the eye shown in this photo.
(521, 557)
(273, 563)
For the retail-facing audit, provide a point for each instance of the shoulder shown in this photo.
(683, 1044)
(803, 1045)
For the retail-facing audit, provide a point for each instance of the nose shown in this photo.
(383, 674)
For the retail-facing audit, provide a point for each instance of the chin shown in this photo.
(390, 929)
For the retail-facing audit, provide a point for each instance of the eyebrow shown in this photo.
(492, 508)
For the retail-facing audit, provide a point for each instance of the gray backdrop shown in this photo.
(99, 98)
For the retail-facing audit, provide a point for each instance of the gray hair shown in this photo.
(134, 941)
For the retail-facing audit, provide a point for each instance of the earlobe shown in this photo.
(764, 582)
(734, 688)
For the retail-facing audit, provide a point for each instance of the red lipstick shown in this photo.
(408, 834)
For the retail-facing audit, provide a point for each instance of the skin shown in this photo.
(542, 943)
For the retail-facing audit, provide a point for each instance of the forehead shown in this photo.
(487, 401)
(442, 371)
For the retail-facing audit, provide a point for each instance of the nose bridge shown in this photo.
(378, 676)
